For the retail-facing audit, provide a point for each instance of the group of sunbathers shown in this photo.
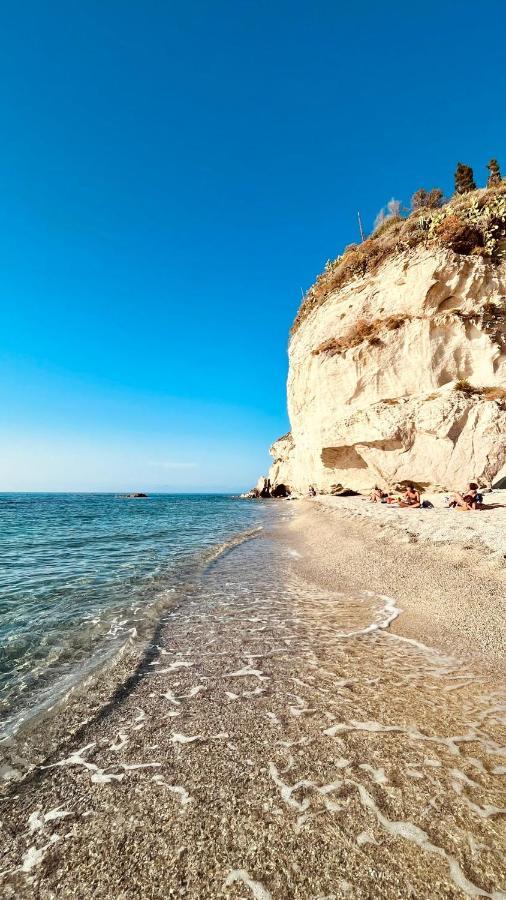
(410, 497)
(469, 499)
(466, 500)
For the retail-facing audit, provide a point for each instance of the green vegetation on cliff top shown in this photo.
(472, 223)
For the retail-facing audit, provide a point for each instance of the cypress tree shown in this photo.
(464, 179)
(495, 174)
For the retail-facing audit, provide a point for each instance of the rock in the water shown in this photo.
(390, 376)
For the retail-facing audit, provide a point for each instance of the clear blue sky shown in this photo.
(172, 175)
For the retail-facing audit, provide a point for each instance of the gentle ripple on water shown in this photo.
(282, 735)
(80, 572)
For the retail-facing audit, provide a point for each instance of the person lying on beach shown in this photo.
(469, 499)
(411, 497)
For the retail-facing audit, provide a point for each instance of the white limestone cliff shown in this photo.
(385, 409)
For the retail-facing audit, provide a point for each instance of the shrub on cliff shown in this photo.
(487, 393)
(464, 387)
(476, 225)
(495, 393)
(459, 235)
(385, 225)
(432, 199)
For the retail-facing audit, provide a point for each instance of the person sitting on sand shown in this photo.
(469, 499)
(377, 495)
(411, 497)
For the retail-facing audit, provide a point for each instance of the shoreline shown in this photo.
(100, 685)
(452, 594)
(117, 665)
(277, 744)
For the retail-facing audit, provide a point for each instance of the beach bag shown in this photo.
(426, 504)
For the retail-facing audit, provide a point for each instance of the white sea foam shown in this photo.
(384, 617)
(38, 820)
(185, 739)
(245, 672)
(410, 832)
(257, 889)
(34, 855)
(111, 609)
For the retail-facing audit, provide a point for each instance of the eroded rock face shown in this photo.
(264, 489)
(387, 411)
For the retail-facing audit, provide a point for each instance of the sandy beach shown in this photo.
(232, 314)
(485, 530)
(290, 739)
(447, 569)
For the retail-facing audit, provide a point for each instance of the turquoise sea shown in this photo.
(82, 573)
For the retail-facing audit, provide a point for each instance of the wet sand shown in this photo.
(275, 742)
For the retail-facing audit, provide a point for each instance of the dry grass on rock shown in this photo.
(362, 331)
(470, 224)
(486, 393)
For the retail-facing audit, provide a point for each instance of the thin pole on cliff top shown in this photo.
(360, 226)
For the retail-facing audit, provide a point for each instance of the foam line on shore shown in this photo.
(107, 658)
(390, 608)
(397, 829)
(411, 832)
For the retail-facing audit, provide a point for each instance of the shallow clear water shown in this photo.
(275, 729)
(278, 732)
(79, 573)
